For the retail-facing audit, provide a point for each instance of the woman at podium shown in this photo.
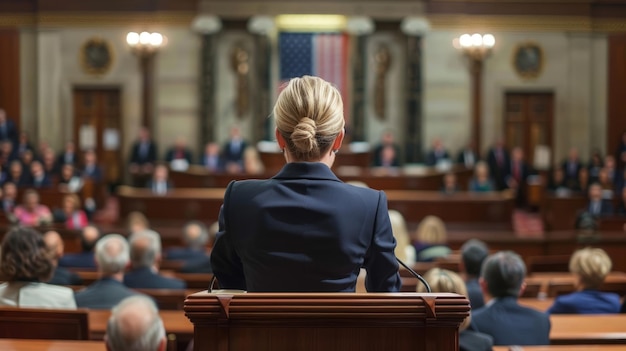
(304, 230)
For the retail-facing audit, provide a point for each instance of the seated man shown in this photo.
(598, 206)
(60, 276)
(160, 183)
(145, 255)
(502, 281)
(195, 238)
(135, 324)
(112, 257)
(473, 254)
(85, 259)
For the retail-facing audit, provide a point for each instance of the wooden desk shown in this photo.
(50, 345)
(202, 204)
(588, 329)
(175, 322)
(564, 348)
(614, 280)
(559, 213)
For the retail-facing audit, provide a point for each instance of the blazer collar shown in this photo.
(306, 170)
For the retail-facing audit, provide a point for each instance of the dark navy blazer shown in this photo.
(145, 278)
(475, 294)
(586, 302)
(304, 231)
(78, 260)
(103, 294)
(511, 324)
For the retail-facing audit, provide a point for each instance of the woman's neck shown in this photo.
(328, 158)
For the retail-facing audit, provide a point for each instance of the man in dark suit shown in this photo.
(598, 206)
(145, 255)
(91, 169)
(61, 276)
(143, 156)
(517, 176)
(437, 153)
(387, 153)
(502, 281)
(39, 178)
(211, 159)
(232, 152)
(499, 163)
(179, 152)
(68, 156)
(8, 131)
(9, 197)
(85, 259)
(196, 238)
(160, 183)
(112, 257)
(473, 254)
(468, 156)
(571, 168)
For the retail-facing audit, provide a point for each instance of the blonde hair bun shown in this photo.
(303, 136)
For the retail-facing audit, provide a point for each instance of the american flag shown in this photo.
(319, 54)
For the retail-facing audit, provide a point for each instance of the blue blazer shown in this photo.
(475, 294)
(103, 294)
(78, 260)
(586, 302)
(304, 231)
(508, 323)
(184, 254)
(145, 278)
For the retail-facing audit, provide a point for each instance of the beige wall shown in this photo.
(575, 70)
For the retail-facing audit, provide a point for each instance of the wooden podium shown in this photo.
(326, 321)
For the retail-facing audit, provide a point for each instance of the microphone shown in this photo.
(414, 273)
(212, 283)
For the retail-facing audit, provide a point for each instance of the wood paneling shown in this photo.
(10, 73)
(616, 123)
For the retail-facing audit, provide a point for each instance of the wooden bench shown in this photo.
(563, 283)
(175, 323)
(27, 323)
(562, 348)
(51, 345)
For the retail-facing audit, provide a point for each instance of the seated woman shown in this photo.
(25, 265)
(404, 250)
(430, 240)
(481, 182)
(445, 281)
(450, 185)
(31, 213)
(137, 222)
(73, 216)
(591, 266)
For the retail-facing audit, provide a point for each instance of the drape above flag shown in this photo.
(319, 54)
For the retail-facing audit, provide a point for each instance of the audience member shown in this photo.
(445, 281)
(468, 156)
(621, 209)
(4, 175)
(211, 159)
(91, 169)
(556, 182)
(179, 156)
(387, 152)
(135, 325)
(583, 181)
(17, 174)
(611, 170)
(499, 162)
(518, 175)
(502, 282)
(404, 250)
(26, 265)
(160, 183)
(27, 158)
(9, 197)
(596, 163)
(450, 185)
(8, 131)
(71, 213)
(85, 259)
(202, 264)
(473, 254)
(68, 156)
(70, 181)
(32, 213)
(571, 167)
(145, 256)
(137, 222)
(431, 239)
(233, 150)
(61, 276)
(252, 161)
(437, 154)
(590, 266)
(143, 155)
(195, 238)
(50, 164)
(23, 144)
(112, 258)
(8, 153)
(481, 182)
(605, 183)
(598, 206)
(39, 178)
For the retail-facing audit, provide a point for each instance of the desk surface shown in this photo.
(50, 345)
(588, 329)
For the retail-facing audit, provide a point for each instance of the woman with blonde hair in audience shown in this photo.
(404, 250)
(74, 216)
(137, 222)
(481, 182)
(25, 264)
(590, 266)
(305, 219)
(445, 281)
(431, 239)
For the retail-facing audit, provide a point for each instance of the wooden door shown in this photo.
(528, 121)
(98, 125)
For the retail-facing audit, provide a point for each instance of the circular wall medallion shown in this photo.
(528, 60)
(96, 56)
